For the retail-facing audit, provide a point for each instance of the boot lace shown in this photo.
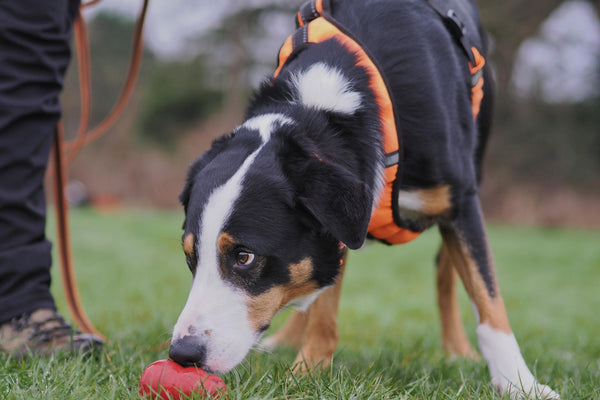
(40, 331)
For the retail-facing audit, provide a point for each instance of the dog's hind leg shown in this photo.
(466, 242)
(321, 332)
(454, 339)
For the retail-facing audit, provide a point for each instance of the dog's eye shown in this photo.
(244, 259)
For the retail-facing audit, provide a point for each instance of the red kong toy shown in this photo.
(165, 379)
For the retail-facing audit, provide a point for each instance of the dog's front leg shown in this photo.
(321, 332)
(467, 246)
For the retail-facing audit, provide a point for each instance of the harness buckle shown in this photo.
(455, 24)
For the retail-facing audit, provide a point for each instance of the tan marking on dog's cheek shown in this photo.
(188, 244)
(301, 272)
(262, 308)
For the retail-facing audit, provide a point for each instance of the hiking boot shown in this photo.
(44, 332)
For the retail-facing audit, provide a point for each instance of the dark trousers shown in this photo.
(34, 53)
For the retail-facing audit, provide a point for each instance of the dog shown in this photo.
(271, 208)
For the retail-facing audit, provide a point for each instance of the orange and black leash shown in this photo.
(64, 152)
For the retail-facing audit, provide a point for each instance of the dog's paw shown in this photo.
(545, 392)
(304, 365)
(526, 390)
(510, 374)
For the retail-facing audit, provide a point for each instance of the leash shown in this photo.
(65, 151)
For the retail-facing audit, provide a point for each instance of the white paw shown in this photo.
(507, 367)
(522, 390)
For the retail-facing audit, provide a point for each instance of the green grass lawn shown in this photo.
(134, 283)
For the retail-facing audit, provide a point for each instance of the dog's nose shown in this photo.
(188, 351)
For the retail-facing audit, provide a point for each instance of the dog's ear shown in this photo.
(197, 166)
(331, 193)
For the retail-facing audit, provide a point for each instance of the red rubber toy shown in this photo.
(165, 379)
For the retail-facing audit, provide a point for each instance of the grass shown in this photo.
(134, 282)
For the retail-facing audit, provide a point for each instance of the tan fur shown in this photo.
(263, 307)
(224, 242)
(321, 332)
(454, 339)
(188, 244)
(491, 310)
(300, 273)
(315, 332)
(436, 201)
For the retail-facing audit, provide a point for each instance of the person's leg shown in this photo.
(34, 55)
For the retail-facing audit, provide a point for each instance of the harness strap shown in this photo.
(458, 30)
(311, 10)
(476, 70)
(455, 25)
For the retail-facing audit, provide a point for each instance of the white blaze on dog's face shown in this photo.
(215, 309)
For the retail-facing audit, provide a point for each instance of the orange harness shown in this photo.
(315, 25)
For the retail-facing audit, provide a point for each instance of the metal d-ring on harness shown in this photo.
(315, 24)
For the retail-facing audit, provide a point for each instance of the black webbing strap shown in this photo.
(300, 37)
(308, 12)
(315, 8)
(455, 25)
(312, 9)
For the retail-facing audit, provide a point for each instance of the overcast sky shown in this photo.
(561, 63)
(170, 24)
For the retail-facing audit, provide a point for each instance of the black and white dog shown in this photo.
(271, 207)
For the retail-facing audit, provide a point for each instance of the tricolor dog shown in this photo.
(373, 125)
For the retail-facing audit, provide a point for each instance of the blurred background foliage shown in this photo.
(543, 162)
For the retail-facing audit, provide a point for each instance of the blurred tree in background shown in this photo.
(536, 140)
(175, 95)
(539, 150)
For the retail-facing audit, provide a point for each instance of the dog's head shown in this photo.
(266, 217)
